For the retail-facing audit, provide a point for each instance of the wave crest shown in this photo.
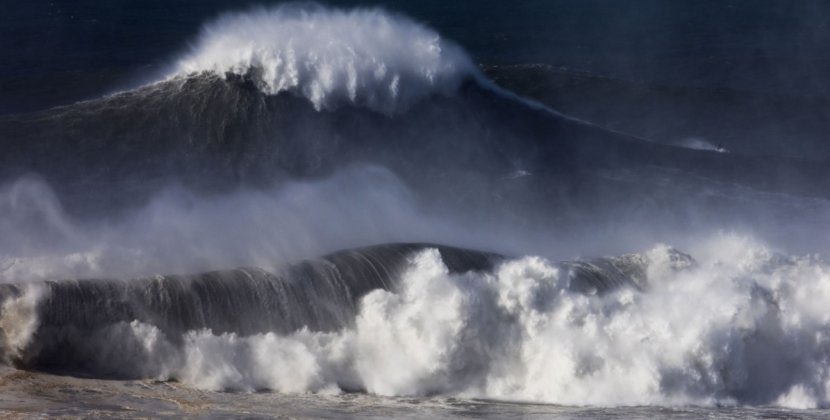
(738, 325)
(366, 57)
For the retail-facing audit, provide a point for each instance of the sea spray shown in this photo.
(366, 57)
(19, 321)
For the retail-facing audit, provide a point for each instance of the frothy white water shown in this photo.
(18, 322)
(696, 143)
(743, 325)
(366, 57)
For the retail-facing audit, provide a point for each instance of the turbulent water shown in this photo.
(340, 207)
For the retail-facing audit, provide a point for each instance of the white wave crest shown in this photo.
(366, 57)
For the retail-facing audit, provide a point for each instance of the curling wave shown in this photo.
(320, 295)
(739, 325)
(366, 57)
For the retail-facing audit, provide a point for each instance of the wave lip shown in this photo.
(366, 57)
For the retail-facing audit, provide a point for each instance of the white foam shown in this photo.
(743, 325)
(366, 57)
(696, 143)
(19, 322)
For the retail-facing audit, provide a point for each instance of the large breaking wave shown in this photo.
(738, 325)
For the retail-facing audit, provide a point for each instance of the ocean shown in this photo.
(553, 209)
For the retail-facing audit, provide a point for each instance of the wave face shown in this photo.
(365, 57)
(739, 325)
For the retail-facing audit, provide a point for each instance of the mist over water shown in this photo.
(211, 228)
(180, 232)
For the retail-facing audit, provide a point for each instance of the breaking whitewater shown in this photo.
(320, 211)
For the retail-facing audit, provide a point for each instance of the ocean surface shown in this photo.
(553, 209)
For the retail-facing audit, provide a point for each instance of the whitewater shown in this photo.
(336, 206)
(366, 57)
(738, 324)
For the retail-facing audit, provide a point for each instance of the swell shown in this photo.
(298, 92)
(749, 123)
(214, 134)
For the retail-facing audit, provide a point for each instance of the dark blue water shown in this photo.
(58, 52)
